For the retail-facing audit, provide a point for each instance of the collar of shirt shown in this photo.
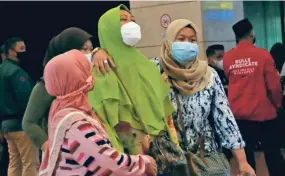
(12, 61)
(245, 44)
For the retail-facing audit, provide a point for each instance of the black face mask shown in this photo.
(21, 55)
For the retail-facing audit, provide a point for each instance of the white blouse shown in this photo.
(207, 112)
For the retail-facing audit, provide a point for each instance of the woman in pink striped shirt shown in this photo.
(78, 144)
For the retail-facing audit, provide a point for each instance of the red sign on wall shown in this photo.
(165, 20)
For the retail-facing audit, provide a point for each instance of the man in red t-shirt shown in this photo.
(254, 94)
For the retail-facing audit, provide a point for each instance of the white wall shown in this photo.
(148, 15)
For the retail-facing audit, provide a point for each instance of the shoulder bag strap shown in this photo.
(201, 140)
(180, 119)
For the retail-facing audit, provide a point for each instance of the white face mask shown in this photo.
(219, 64)
(131, 33)
(89, 57)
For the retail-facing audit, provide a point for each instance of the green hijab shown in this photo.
(141, 80)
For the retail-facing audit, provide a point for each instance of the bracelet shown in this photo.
(95, 50)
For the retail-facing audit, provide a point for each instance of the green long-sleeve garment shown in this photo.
(36, 115)
(35, 119)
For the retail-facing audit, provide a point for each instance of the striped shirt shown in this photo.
(86, 151)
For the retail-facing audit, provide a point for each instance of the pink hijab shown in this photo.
(68, 77)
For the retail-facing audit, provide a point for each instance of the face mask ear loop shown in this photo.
(166, 39)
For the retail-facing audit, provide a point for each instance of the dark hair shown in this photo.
(123, 7)
(189, 26)
(246, 34)
(278, 53)
(11, 43)
(212, 49)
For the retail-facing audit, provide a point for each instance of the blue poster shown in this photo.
(218, 15)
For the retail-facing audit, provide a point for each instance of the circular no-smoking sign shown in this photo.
(165, 20)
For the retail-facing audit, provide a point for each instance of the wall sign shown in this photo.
(218, 15)
(165, 20)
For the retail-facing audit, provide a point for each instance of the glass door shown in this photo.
(266, 21)
(282, 14)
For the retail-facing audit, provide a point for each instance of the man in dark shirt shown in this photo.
(15, 89)
(4, 155)
(215, 54)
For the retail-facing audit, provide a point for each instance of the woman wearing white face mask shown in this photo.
(202, 108)
(133, 100)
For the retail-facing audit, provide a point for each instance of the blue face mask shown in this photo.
(183, 52)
